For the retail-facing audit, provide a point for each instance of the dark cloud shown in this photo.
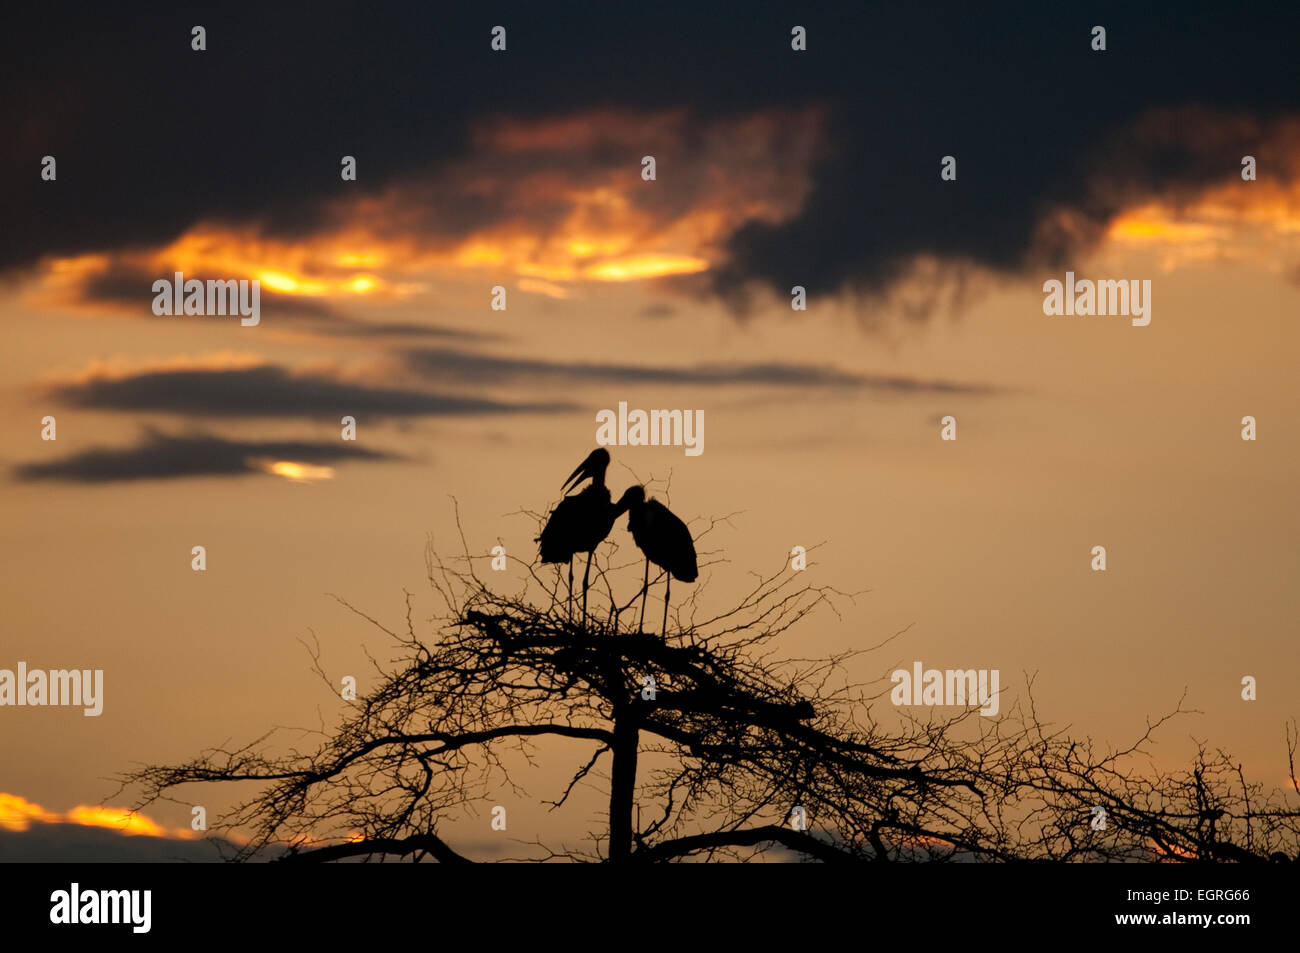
(405, 329)
(161, 456)
(125, 285)
(74, 843)
(658, 310)
(271, 391)
(152, 137)
(65, 843)
(1052, 139)
(449, 364)
(132, 287)
(1011, 209)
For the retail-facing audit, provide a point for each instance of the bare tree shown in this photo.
(716, 747)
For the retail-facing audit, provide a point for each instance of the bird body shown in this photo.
(580, 523)
(663, 538)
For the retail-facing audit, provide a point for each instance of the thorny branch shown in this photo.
(732, 739)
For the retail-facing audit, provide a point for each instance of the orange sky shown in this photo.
(1087, 431)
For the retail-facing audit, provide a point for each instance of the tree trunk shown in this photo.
(627, 737)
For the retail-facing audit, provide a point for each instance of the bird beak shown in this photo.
(577, 476)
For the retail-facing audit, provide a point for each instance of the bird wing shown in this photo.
(669, 542)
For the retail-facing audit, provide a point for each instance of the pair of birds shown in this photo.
(582, 521)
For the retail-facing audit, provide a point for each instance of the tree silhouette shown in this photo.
(709, 745)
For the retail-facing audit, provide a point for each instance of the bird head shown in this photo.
(594, 466)
(633, 496)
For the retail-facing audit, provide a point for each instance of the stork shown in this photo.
(580, 522)
(663, 538)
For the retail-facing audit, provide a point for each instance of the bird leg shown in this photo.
(645, 589)
(585, 576)
(668, 587)
(570, 609)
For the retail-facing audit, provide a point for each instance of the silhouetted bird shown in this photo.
(663, 538)
(580, 522)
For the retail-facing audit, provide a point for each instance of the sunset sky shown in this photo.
(522, 169)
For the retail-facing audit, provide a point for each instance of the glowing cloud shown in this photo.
(645, 266)
(549, 203)
(1258, 222)
(17, 814)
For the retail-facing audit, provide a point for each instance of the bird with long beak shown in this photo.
(580, 522)
(665, 540)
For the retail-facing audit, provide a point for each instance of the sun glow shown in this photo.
(293, 470)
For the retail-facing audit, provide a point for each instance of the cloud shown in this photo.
(95, 833)
(775, 168)
(162, 456)
(29, 833)
(529, 205)
(657, 310)
(18, 814)
(123, 283)
(130, 287)
(452, 364)
(268, 390)
(71, 843)
(1010, 212)
(404, 329)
